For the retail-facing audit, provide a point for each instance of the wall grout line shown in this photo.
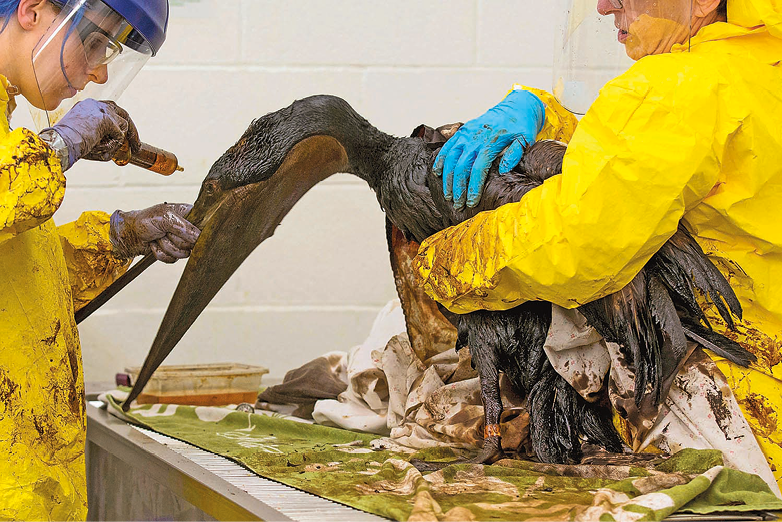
(268, 308)
(309, 68)
(358, 186)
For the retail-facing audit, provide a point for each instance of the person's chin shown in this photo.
(634, 50)
(65, 94)
(52, 104)
(39, 104)
(49, 104)
(633, 54)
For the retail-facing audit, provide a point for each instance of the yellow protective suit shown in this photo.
(43, 269)
(686, 135)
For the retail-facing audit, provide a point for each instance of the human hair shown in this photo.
(7, 10)
(9, 7)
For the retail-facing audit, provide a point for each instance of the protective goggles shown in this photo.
(99, 47)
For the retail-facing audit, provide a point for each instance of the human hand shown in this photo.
(95, 130)
(161, 229)
(465, 159)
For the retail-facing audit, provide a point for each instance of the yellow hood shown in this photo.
(753, 13)
(7, 105)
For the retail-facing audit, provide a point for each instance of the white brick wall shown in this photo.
(318, 283)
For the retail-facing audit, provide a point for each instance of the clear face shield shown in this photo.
(599, 39)
(89, 51)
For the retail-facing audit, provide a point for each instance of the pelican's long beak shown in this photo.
(233, 223)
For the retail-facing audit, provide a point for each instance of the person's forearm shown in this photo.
(560, 122)
(91, 263)
(587, 232)
(32, 185)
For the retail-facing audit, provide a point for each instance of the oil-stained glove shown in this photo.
(161, 229)
(93, 130)
(465, 159)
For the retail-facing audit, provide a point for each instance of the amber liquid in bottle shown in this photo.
(150, 158)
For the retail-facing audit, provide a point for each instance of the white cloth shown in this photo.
(577, 352)
(364, 405)
(700, 411)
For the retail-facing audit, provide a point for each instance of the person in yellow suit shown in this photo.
(50, 51)
(690, 132)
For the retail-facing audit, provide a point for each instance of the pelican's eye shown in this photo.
(212, 187)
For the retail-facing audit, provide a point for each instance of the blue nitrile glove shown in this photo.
(95, 130)
(465, 158)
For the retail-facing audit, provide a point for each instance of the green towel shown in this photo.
(343, 466)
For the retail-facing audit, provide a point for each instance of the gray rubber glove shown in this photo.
(161, 229)
(95, 130)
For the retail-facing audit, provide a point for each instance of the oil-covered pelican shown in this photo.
(282, 155)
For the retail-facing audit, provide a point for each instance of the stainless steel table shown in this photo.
(136, 474)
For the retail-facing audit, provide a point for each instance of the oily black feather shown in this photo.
(719, 344)
(625, 318)
(646, 321)
(564, 420)
(264, 145)
(560, 418)
(671, 336)
(553, 434)
(640, 318)
(683, 267)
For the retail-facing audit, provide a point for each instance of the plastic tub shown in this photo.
(201, 384)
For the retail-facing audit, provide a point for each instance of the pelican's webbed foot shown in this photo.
(489, 454)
